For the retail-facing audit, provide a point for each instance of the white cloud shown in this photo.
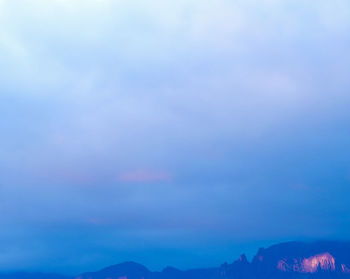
(172, 89)
(115, 70)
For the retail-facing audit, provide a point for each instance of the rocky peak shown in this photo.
(243, 259)
(324, 261)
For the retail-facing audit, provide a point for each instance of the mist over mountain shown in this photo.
(289, 260)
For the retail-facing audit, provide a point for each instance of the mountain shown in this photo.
(303, 260)
(127, 270)
(131, 270)
(290, 260)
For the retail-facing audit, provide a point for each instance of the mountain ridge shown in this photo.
(290, 260)
(287, 260)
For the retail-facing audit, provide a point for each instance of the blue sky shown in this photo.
(170, 132)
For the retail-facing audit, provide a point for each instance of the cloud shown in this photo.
(92, 90)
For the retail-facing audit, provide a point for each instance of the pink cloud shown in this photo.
(144, 176)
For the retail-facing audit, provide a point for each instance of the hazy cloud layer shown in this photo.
(187, 129)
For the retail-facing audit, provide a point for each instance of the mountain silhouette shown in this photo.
(126, 270)
(290, 260)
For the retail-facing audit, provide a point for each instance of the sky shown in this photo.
(178, 133)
